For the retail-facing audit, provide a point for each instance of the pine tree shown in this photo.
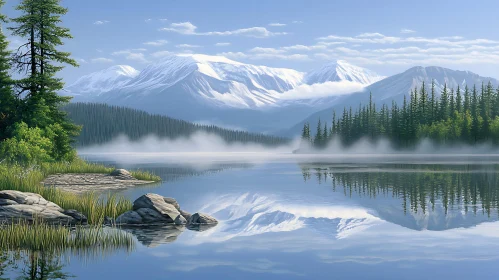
(41, 60)
(433, 102)
(8, 101)
(444, 103)
(459, 101)
(423, 104)
(325, 135)
(475, 127)
(318, 135)
(467, 100)
(304, 135)
(452, 103)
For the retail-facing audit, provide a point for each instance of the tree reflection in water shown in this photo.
(420, 186)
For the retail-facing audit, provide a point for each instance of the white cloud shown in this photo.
(297, 22)
(133, 55)
(163, 19)
(188, 28)
(148, 20)
(182, 28)
(276, 24)
(406, 31)
(161, 54)
(101, 22)
(304, 48)
(323, 90)
(101, 60)
(187, 46)
(156, 43)
(222, 44)
(378, 38)
(266, 50)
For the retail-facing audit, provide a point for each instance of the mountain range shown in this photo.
(216, 90)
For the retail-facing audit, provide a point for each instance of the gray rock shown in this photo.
(201, 219)
(185, 214)
(122, 174)
(79, 217)
(4, 201)
(150, 216)
(172, 201)
(156, 202)
(108, 221)
(19, 206)
(180, 220)
(129, 218)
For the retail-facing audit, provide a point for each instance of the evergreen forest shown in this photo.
(462, 115)
(102, 123)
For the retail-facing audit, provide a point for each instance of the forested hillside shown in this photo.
(103, 123)
(469, 115)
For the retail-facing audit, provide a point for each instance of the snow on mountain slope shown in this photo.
(253, 214)
(218, 81)
(213, 80)
(197, 87)
(342, 71)
(102, 81)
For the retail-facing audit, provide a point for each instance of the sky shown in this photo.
(386, 36)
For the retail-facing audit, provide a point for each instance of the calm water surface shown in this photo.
(372, 217)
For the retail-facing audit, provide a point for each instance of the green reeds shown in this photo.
(59, 239)
(145, 176)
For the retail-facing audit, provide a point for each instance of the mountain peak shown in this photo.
(104, 80)
(341, 70)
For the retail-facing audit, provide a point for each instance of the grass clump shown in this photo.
(145, 176)
(59, 239)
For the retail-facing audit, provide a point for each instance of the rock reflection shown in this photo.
(154, 236)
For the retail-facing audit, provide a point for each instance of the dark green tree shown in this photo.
(8, 100)
(41, 59)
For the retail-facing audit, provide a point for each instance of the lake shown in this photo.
(309, 217)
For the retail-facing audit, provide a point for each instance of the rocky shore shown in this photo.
(153, 210)
(149, 211)
(17, 206)
(119, 179)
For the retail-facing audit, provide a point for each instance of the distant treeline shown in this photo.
(466, 115)
(102, 123)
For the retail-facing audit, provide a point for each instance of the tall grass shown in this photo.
(59, 239)
(145, 175)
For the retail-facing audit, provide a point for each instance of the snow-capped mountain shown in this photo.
(342, 71)
(215, 89)
(395, 87)
(209, 80)
(94, 84)
(253, 214)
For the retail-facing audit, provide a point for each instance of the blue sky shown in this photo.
(385, 36)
